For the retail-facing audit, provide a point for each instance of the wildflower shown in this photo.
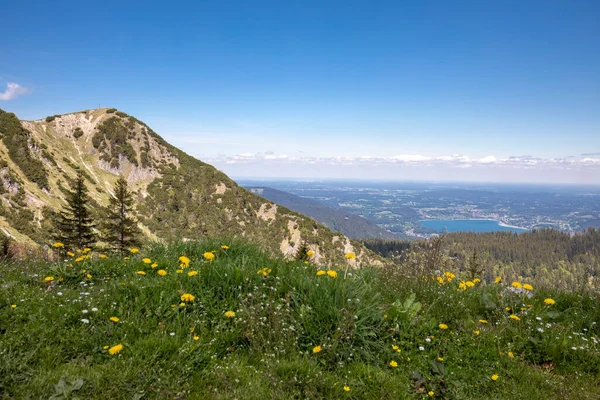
(146, 260)
(13, 306)
(495, 377)
(89, 276)
(350, 256)
(115, 349)
(498, 280)
(511, 355)
(440, 280)
(476, 332)
(79, 259)
(192, 273)
(125, 258)
(264, 271)
(527, 286)
(114, 319)
(181, 304)
(225, 247)
(346, 388)
(105, 347)
(443, 326)
(184, 262)
(476, 280)
(440, 359)
(513, 316)
(70, 254)
(103, 256)
(209, 256)
(317, 349)
(507, 308)
(230, 314)
(517, 285)
(154, 265)
(462, 286)
(469, 284)
(85, 320)
(321, 272)
(393, 364)
(549, 301)
(188, 298)
(162, 272)
(58, 245)
(179, 271)
(135, 250)
(196, 337)
(48, 279)
(332, 273)
(86, 250)
(141, 273)
(310, 253)
(394, 347)
(449, 275)
(430, 393)
(483, 321)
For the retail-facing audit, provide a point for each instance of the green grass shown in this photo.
(266, 350)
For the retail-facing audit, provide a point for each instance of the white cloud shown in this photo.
(13, 90)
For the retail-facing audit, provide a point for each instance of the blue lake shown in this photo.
(468, 225)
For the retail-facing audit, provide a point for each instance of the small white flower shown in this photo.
(59, 294)
(421, 348)
(573, 348)
(428, 340)
(94, 309)
(172, 333)
(85, 311)
(85, 321)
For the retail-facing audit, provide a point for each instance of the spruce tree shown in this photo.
(74, 224)
(119, 228)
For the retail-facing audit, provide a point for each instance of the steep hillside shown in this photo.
(351, 225)
(178, 196)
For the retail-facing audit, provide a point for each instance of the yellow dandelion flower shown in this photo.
(181, 304)
(527, 286)
(161, 272)
(230, 314)
(513, 316)
(440, 359)
(89, 276)
(346, 388)
(70, 254)
(394, 347)
(310, 253)
(321, 272)
(511, 355)
(135, 250)
(192, 273)
(483, 321)
(179, 271)
(115, 349)
(440, 280)
(209, 256)
(13, 306)
(476, 332)
(154, 265)
(495, 377)
(86, 250)
(146, 260)
(48, 279)
(184, 262)
(114, 319)
(430, 393)
(141, 273)
(125, 258)
(196, 337)
(517, 285)
(469, 284)
(105, 347)
(187, 297)
(476, 280)
(317, 349)
(443, 326)
(507, 308)
(225, 247)
(332, 273)
(350, 256)
(79, 259)
(549, 301)
(462, 286)
(498, 279)
(393, 364)
(58, 245)
(103, 256)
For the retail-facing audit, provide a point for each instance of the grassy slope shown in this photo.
(266, 350)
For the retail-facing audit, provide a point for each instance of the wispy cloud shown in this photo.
(456, 160)
(13, 90)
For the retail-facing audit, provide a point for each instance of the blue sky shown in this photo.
(495, 90)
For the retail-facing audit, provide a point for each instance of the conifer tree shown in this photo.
(74, 224)
(119, 228)
(301, 254)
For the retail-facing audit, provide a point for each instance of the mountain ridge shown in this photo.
(178, 196)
